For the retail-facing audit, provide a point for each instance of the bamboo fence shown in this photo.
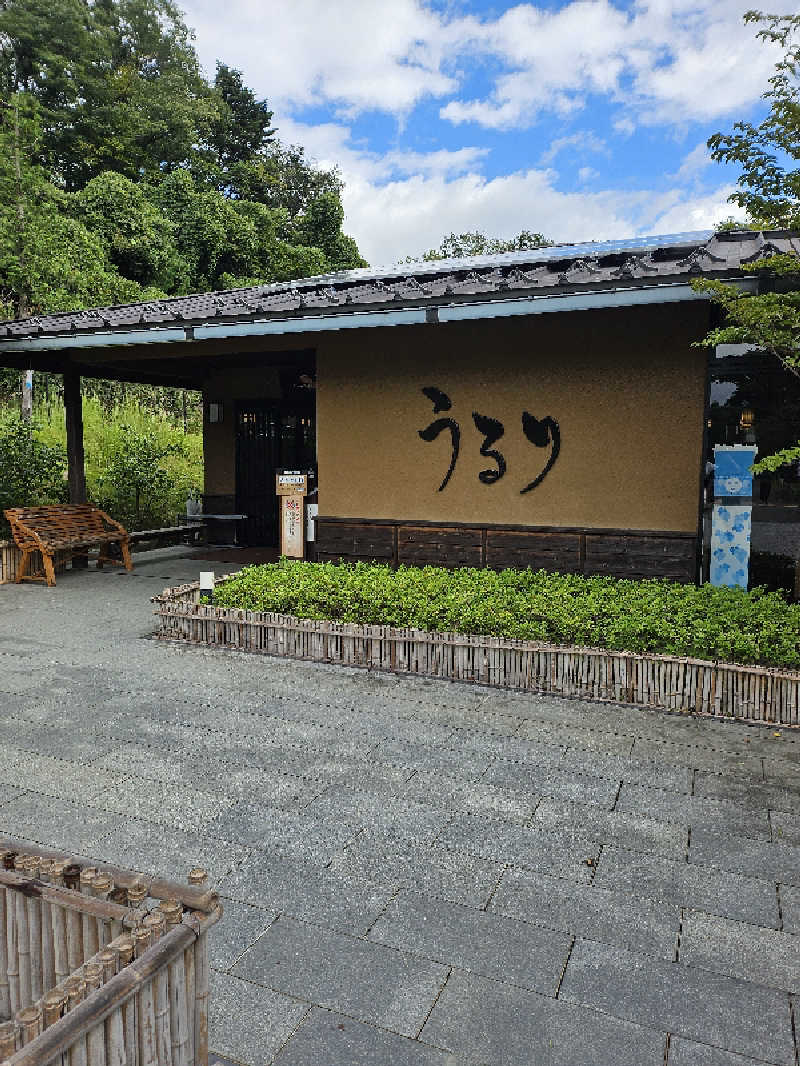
(751, 693)
(10, 557)
(99, 966)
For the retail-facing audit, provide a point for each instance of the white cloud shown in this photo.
(393, 213)
(356, 55)
(698, 160)
(649, 61)
(661, 61)
(581, 143)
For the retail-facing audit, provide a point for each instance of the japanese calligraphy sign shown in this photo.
(543, 433)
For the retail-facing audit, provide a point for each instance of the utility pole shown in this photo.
(22, 308)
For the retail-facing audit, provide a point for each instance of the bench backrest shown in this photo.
(60, 523)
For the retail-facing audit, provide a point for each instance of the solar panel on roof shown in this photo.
(533, 255)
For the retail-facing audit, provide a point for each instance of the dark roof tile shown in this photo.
(645, 260)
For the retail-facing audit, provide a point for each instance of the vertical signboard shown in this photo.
(292, 486)
(731, 519)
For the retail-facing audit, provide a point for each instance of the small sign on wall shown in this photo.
(291, 483)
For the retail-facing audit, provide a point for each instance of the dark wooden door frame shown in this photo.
(260, 503)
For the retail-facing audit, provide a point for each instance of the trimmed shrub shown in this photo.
(638, 616)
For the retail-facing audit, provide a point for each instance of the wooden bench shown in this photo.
(70, 527)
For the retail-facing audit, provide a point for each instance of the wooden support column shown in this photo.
(76, 467)
(76, 473)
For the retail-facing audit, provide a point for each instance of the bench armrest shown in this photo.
(27, 531)
(114, 523)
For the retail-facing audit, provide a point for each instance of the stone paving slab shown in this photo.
(752, 858)
(698, 756)
(336, 900)
(547, 779)
(608, 742)
(688, 1053)
(764, 956)
(75, 742)
(748, 899)
(698, 812)
(72, 826)
(401, 863)
(785, 827)
(698, 1004)
(185, 769)
(385, 813)
(154, 849)
(377, 837)
(332, 1039)
(754, 792)
(298, 835)
(637, 831)
(566, 853)
(589, 911)
(486, 944)
(638, 771)
(790, 907)
(489, 1022)
(370, 982)
(271, 1019)
(512, 804)
(243, 925)
(418, 756)
(164, 802)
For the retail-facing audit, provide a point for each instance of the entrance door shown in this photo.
(269, 436)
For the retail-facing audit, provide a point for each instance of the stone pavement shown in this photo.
(415, 873)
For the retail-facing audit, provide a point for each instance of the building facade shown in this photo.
(549, 408)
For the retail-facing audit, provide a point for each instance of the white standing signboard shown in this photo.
(292, 486)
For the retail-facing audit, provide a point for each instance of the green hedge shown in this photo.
(639, 616)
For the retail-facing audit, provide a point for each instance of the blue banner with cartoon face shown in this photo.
(732, 475)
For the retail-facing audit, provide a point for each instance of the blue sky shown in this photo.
(581, 119)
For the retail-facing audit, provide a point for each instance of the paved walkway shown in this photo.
(415, 873)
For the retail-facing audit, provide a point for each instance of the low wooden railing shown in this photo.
(99, 966)
(753, 693)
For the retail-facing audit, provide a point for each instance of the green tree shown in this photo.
(49, 261)
(320, 226)
(138, 238)
(124, 174)
(135, 481)
(461, 245)
(32, 471)
(240, 131)
(769, 192)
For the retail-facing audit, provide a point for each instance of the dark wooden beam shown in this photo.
(76, 473)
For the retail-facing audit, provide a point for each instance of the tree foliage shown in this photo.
(769, 191)
(125, 174)
(461, 245)
(31, 469)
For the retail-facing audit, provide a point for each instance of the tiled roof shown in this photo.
(638, 262)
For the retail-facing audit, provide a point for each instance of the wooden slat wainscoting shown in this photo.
(751, 693)
(610, 552)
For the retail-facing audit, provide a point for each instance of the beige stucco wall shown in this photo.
(626, 387)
